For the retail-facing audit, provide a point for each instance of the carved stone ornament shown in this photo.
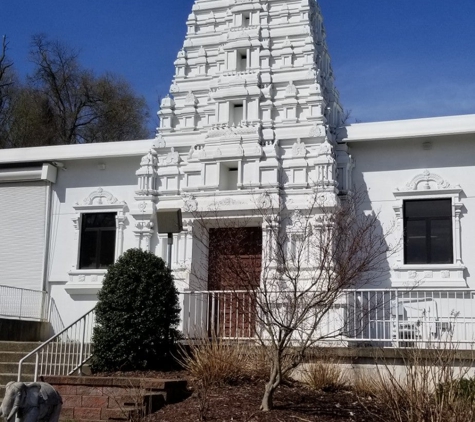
(299, 149)
(297, 220)
(427, 181)
(190, 153)
(325, 148)
(150, 159)
(227, 202)
(190, 203)
(100, 197)
(291, 90)
(172, 157)
(316, 131)
(264, 201)
(167, 102)
(160, 142)
(191, 99)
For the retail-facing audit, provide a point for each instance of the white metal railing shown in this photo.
(30, 305)
(64, 353)
(382, 318)
(228, 314)
(23, 303)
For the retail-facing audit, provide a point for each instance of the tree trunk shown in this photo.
(272, 385)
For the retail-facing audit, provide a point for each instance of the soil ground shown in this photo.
(294, 402)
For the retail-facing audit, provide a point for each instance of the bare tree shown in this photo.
(6, 81)
(85, 108)
(289, 296)
(64, 103)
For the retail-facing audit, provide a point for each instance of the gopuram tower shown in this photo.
(252, 107)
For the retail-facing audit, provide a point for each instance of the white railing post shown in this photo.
(37, 356)
(213, 312)
(396, 301)
(21, 304)
(81, 350)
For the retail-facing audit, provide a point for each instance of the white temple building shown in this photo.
(252, 109)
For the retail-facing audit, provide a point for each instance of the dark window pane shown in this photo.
(88, 250)
(416, 245)
(441, 242)
(97, 240)
(428, 231)
(428, 208)
(107, 248)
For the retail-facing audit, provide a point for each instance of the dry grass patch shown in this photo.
(325, 374)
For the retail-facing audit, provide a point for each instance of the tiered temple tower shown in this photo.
(252, 108)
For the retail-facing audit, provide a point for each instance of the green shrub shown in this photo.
(136, 316)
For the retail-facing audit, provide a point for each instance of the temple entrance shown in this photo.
(234, 271)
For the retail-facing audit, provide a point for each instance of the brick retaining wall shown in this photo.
(102, 399)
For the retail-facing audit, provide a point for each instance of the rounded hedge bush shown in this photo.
(136, 316)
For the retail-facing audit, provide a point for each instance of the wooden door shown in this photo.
(234, 271)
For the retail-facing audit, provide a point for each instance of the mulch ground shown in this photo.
(294, 402)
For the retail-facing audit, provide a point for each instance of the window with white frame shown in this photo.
(428, 237)
(99, 231)
(98, 240)
(428, 212)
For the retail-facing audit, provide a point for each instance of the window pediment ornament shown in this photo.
(101, 197)
(101, 201)
(426, 182)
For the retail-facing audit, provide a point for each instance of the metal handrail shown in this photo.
(65, 352)
(29, 304)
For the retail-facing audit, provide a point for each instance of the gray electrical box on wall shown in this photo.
(169, 221)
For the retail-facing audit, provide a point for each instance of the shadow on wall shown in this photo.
(16, 330)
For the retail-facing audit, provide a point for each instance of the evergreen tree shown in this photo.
(136, 316)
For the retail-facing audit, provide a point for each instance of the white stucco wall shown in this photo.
(75, 182)
(382, 167)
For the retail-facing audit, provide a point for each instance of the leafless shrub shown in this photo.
(324, 374)
(433, 386)
(213, 362)
(285, 279)
(365, 386)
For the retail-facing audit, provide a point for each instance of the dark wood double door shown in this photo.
(234, 272)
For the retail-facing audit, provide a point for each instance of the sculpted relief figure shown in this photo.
(31, 402)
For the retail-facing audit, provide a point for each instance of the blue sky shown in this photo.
(392, 59)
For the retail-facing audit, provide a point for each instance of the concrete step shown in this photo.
(18, 346)
(12, 368)
(6, 378)
(14, 357)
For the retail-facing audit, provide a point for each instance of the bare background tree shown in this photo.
(6, 82)
(287, 288)
(61, 102)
